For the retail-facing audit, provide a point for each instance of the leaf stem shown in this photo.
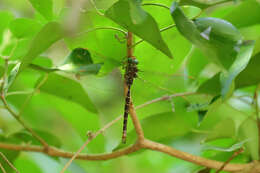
(100, 28)
(156, 4)
(9, 163)
(16, 116)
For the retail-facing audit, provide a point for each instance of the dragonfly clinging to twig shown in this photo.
(130, 73)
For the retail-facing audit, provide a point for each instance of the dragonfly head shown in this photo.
(133, 60)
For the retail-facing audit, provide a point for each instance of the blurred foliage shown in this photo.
(65, 78)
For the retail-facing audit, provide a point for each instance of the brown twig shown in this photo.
(8, 162)
(136, 122)
(133, 148)
(29, 97)
(2, 168)
(16, 116)
(229, 160)
(52, 151)
(255, 103)
(192, 158)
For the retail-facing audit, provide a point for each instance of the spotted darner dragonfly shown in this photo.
(147, 85)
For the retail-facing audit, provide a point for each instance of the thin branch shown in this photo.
(52, 151)
(229, 160)
(100, 28)
(2, 168)
(44, 69)
(146, 144)
(27, 100)
(16, 116)
(95, 7)
(192, 158)
(9, 163)
(255, 103)
(18, 93)
(136, 122)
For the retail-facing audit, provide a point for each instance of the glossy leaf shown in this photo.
(79, 61)
(23, 27)
(12, 77)
(250, 75)
(48, 35)
(240, 64)
(26, 137)
(211, 86)
(130, 15)
(68, 89)
(216, 38)
(167, 125)
(248, 130)
(43, 7)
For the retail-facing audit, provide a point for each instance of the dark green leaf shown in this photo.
(48, 35)
(79, 61)
(248, 130)
(211, 86)
(250, 75)
(43, 7)
(240, 64)
(26, 137)
(130, 15)
(216, 38)
(79, 56)
(23, 27)
(68, 89)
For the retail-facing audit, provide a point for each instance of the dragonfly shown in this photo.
(130, 73)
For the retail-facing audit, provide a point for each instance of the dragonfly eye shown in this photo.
(135, 61)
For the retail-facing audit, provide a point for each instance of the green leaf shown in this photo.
(48, 35)
(11, 77)
(248, 130)
(223, 129)
(211, 86)
(5, 17)
(216, 38)
(9, 154)
(68, 89)
(130, 15)
(251, 8)
(26, 137)
(233, 147)
(240, 64)
(43, 7)
(250, 75)
(23, 27)
(27, 164)
(79, 61)
(163, 126)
